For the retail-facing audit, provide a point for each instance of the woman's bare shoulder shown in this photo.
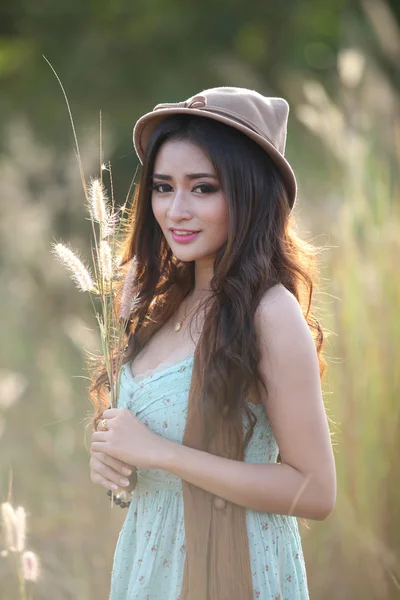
(280, 322)
(275, 298)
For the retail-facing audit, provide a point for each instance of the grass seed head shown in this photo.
(127, 291)
(98, 202)
(9, 525)
(79, 272)
(30, 566)
(106, 260)
(20, 522)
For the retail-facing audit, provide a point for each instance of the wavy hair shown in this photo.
(261, 250)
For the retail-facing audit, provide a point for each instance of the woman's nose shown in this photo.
(178, 206)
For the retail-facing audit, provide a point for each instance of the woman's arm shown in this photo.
(304, 483)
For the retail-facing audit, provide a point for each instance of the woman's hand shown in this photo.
(128, 440)
(110, 472)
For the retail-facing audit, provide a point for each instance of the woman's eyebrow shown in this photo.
(188, 176)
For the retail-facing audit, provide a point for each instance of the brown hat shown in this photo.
(262, 118)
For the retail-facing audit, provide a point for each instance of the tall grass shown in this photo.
(356, 553)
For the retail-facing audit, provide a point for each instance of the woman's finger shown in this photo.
(100, 480)
(114, 463)
(99, 426)
(99, 436)
(110, 413)
(99, 446)
(110, 475)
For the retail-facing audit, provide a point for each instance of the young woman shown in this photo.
(220, 420)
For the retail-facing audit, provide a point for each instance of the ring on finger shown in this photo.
(103, 425)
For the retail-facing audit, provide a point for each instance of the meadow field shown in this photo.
(345, 148)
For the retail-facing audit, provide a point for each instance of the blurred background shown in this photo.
(338, 65)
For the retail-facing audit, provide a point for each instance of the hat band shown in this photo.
(199, 102)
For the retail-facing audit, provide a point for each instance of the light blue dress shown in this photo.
(150, 552)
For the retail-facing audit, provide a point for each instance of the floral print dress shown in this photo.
(150, 552)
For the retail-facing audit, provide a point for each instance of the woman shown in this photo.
(221, 413)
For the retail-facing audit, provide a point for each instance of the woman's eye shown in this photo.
(207, 188)
(157, 187)
(165, 188)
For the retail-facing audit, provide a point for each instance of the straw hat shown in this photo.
(262, 118)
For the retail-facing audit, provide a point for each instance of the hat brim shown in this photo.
(148, 122)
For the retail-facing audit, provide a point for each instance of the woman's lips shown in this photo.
(184, 239)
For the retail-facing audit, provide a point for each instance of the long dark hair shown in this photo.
(261, 250)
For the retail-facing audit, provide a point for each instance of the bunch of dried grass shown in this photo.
(105, 276)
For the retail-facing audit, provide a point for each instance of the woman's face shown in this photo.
(187, 195)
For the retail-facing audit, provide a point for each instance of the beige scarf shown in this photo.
(217, 565)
